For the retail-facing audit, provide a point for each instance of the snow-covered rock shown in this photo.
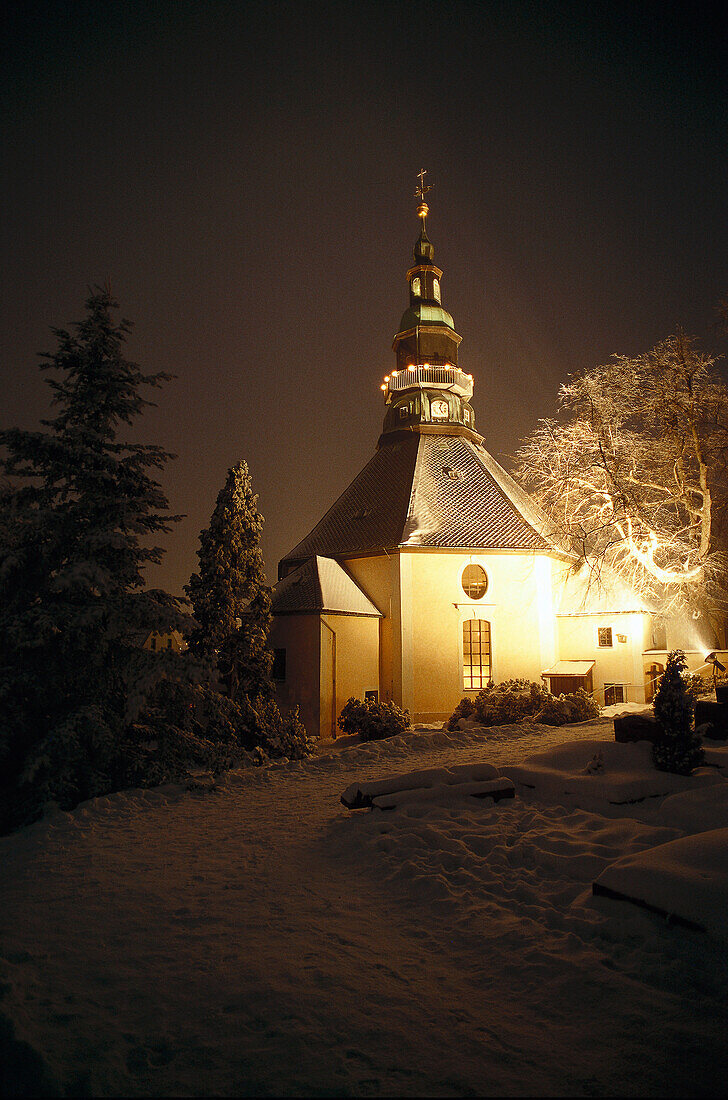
(360, 794)
(626, 776)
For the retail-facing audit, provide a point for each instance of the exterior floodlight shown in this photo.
(712, 659)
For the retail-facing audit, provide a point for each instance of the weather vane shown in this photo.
(420, 193)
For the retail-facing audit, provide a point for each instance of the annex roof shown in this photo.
(428, 490)
(585, 593)
(320, 584)
(569, 668)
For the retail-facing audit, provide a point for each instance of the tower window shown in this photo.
(416, 286)
(436, 289)
(476, 654)
(474, 581)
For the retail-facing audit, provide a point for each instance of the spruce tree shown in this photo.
(677, 749)
(230, 600)
(76, 514)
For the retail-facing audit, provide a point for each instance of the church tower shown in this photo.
(427, 386)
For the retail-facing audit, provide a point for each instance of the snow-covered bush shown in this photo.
(371, 720)
(677, 749)
(281, 734)
(513, 700)
(464, 709)
(560, 710)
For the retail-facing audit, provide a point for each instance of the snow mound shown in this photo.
(686, 879)
(716, 754)
(603, 776)
(615, 710)
(697, 811)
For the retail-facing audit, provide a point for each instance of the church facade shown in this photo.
(434, 574)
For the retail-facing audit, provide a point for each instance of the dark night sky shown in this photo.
(244, 173)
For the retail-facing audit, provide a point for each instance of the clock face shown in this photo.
(439, 410)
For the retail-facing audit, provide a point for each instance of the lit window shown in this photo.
(604, 634)
(474, 581)
(476, 653)
(416, 286)
(436, 289)
(613, 693)
(403, 412)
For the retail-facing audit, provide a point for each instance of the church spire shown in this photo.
(423, 252)
(427, 386)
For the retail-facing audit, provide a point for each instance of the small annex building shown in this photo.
(434, 573)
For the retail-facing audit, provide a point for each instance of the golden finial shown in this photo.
(420, 192)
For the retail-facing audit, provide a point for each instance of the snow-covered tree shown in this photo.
(230, 600)
(678, 749)
(635, 476)
(77, 514)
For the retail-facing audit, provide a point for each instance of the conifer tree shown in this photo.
(76, 515)
(230, 600)
(677, 749)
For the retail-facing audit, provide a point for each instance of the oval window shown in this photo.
(474, 581)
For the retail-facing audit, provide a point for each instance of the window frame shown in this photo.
(279, 658)
(472, 680)
(463, 571)
(615, 687)
(605, 645)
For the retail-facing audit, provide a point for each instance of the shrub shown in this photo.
(677, 749)
(513, 700)
(282, 735)
(371, 720)
(561, 710)
(464, 709)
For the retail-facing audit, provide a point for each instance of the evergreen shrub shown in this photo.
(373, 721)
(677, 749)
(515, 700)
(562, 710)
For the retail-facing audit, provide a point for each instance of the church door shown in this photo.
(327, 708)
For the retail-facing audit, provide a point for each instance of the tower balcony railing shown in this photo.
(425, 375)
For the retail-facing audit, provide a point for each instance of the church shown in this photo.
(434, 574)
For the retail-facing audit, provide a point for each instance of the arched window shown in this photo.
(476, 653)
(416, 286)
(436, 289)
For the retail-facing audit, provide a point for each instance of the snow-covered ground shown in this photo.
(261, 939)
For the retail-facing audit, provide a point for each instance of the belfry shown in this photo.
(433, 573)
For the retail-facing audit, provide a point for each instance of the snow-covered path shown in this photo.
(259, 939)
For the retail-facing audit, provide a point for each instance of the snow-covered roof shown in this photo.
(584, 593)
(569, 668)
(428, 490)
(320, 584)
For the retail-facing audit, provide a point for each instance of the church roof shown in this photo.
(320, 584)
(428, 490)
